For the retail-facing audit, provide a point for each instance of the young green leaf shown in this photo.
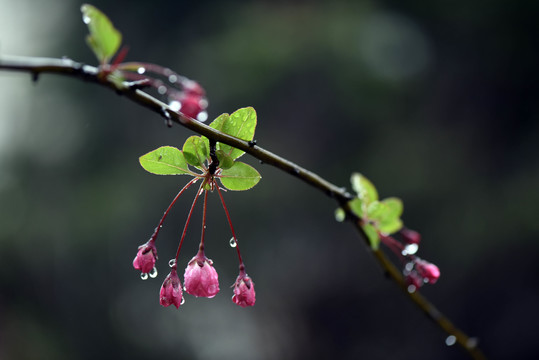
(364, 188)
(195, 151)
(372, 235)
(241, 124)
(240, 177)
(166, 160)
(390, 226)
(386, 214)
(356, 205)
(104, 39)
(225, 161)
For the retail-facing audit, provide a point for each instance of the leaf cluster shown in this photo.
(195, 156)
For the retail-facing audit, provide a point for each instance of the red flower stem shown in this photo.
(160, 225)
(242, 268)
(187, 221)
(393, 245)
(201, 247)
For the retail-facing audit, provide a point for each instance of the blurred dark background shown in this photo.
(435, 102)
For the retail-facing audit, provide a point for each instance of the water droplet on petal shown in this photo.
(172, 262)
(144, 276)
(153, 273)
(183, 301)
(450, 340)
(173, 78)
(141, 70)
(233, 242)
(184, 288)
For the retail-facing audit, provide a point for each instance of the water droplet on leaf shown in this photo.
(153, 273)
(232, 242)
(144, 276)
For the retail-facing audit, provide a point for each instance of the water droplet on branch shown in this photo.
(141, 70)
(451, 340)
(233, 242)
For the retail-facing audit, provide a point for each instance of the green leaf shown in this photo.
(372, 235)
(390, 226)
(216, 124)
(364, 188)
(340, 214)
(195, 151)
(225, 161)
(166, 160)
(240, 177)
(104, 39)
(394, 207)
(240, 124)
(375, 209)
(356, 205)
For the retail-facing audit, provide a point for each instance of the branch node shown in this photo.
(139, 84)
(252, 143)
(35, 76)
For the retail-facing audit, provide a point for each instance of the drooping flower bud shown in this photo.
(428, 271)
(200, 277)
(146, 257)
(410, 236)
(171, 290)
(244, 291)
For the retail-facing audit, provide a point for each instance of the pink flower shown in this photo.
(244, 291)
(428, 271)
(146, 257)
(200, 277)
(171, 290)
(192, 105)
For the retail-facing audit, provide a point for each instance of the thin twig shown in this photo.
(36, 66)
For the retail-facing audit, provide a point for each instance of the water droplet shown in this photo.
(173, 78)
(172, 262)
(202, 116)
(409, 266)
(232, 242)
(144, 276)
(183, 301)
(141, 70)
(86, 19)
(184, 288)
(411, 249)
(162, 89)
(175, 105)
(411, 289)
(153, 273)
(450, 340)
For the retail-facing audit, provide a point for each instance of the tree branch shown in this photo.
(36, 66)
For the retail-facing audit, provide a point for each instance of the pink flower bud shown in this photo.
(201, 277)
(171, 290)
(146, 257)
(244, 291)
(192, 105)
(191, 87)
(428, 271)
(410, 236)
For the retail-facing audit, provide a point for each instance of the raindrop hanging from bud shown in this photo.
(153, 273)
(183, 301)
(144, 276)
(172, 262)
(233, 242)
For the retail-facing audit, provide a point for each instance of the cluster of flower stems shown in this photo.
(200, 278)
